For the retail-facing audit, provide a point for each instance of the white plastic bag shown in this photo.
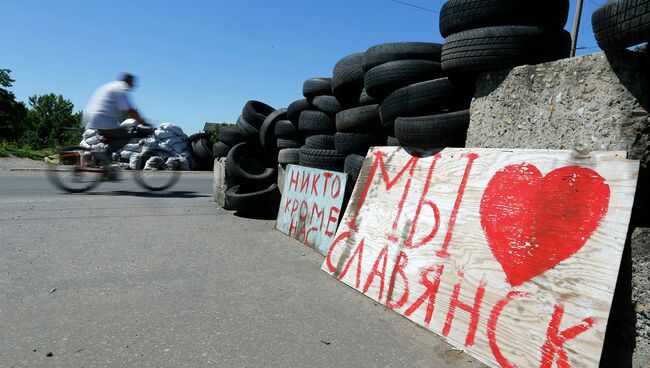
(133, 160)
(155, 163)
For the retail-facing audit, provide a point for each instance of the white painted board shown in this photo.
(311, 205)
(510, 255)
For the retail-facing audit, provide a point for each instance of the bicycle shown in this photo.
(80, 169)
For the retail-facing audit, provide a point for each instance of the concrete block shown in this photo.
(219, 186)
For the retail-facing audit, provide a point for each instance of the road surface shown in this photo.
(124, 278)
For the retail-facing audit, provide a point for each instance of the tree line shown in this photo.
(47, 121)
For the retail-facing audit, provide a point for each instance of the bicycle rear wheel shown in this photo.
(71, 174)
(154, 179)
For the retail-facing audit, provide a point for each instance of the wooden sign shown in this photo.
(311, 205)
(510, 255)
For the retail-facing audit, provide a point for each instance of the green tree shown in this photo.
(51, 122)
(12, 112)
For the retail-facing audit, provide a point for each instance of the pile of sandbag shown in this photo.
(168, 141)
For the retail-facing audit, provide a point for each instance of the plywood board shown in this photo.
(510, 255)
(311, 205)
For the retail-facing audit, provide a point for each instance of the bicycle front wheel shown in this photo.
(154, 179)
(69, 171)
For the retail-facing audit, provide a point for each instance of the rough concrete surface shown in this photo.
(219, 183)
(591, 102)
(640, 295)
(125, 278)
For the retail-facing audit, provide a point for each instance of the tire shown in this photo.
(315, 122)
(230, 135)
(262, 203)
(247, 164)
(347, 79)
(248, 131)
(320, 142)
(357, 143)
(435, 131)
(365, 99)
(267, 131)
(152, 179)
(296, 108)
(352, 167)
(286, 130)
(196, 136)
(383, 79)
(289, 156)
(327, 104)
(220, 150)
(393, 51)
(313, 87)
(288, 143)
(503, 47)
(462, 15)
(321, 159)
(425, 98)
(255, 112)
(202, 150)
(620, 24)
(392, 142)
(364, 119)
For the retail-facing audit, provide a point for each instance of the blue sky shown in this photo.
(201, 61)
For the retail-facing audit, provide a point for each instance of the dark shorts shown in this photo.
(115, 139)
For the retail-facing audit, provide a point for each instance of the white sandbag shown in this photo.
(134, 147)
(155, 163)
(85, 145)
(133, 160)
(175, 139)
(126, 154)
(178, 163)
(165, 147)
(89, 133)
(129, 123)
(163, 134)
(180, 147)
(98, 147)
(172, 128)
(150, 144)
(93, 140)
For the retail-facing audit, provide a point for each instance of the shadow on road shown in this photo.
(173, 194)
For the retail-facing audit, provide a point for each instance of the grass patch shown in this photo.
(13, 149)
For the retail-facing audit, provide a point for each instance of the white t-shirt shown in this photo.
(105, 106)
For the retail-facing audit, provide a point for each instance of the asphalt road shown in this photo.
(124, 278)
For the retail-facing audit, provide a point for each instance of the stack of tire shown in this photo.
(358, 126)
(312, 120)
(499, 34)
(620, 24)
(418, 104)
(251, 153)
(201, 150)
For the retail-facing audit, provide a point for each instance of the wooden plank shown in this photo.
(311, 205)
(510, 255)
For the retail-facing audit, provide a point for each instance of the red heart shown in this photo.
(532, 222)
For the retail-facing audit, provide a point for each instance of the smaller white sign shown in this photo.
(311, 205)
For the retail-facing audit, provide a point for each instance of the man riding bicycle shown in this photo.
(104, 110)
